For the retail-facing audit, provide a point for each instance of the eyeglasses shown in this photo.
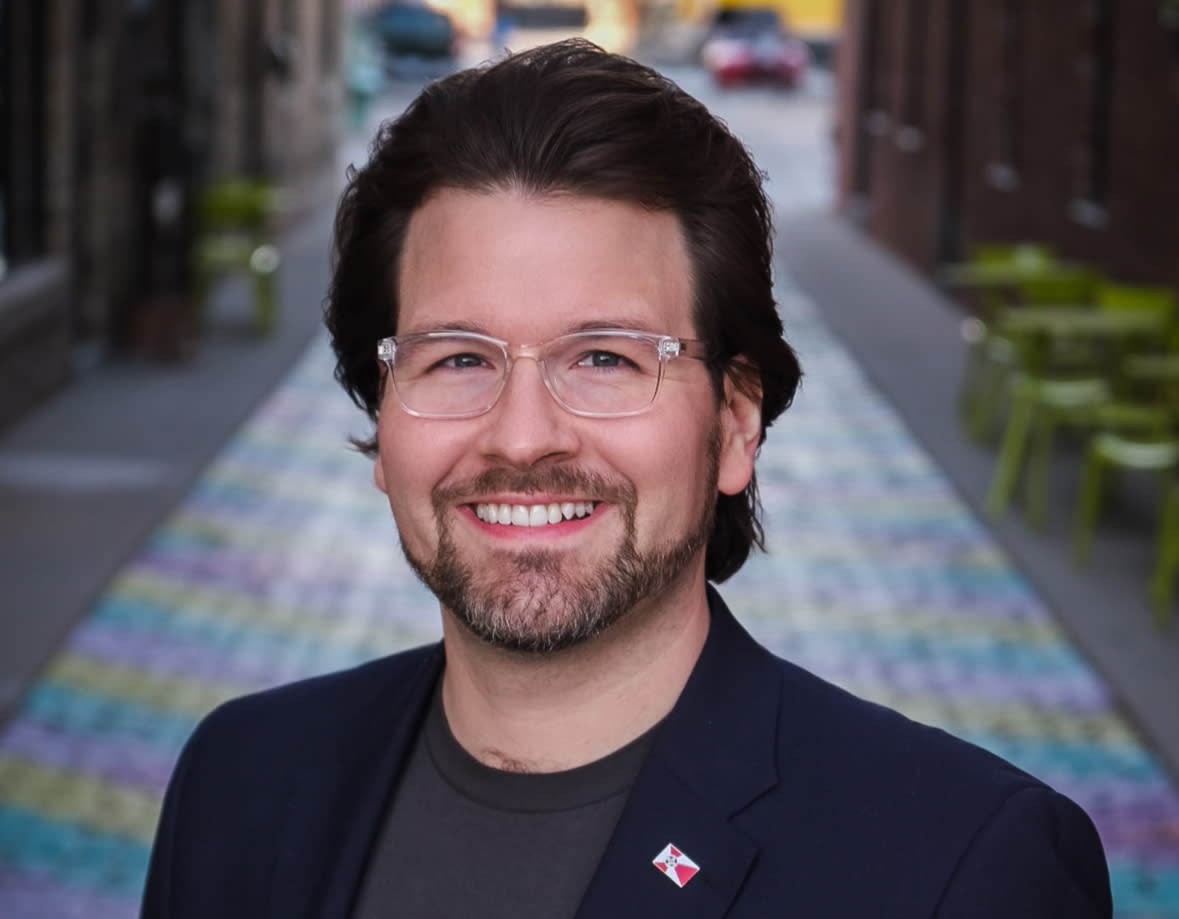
(607, 373)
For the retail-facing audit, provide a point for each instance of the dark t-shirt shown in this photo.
(462, 839)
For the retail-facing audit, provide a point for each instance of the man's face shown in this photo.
(641, 489)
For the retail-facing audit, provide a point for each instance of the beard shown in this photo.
(531, 602)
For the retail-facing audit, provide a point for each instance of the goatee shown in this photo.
(536, 601)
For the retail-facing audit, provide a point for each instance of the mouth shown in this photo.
(534, 515)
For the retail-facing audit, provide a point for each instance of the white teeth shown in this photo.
(532, 515)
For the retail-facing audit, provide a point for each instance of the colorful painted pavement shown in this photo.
(283, 562)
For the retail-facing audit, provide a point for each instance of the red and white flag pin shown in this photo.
(676, 865)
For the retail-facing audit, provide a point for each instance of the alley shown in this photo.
(281, 561)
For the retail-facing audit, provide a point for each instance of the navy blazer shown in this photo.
(794, 797)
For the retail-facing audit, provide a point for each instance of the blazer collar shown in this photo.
(715, 754)
(340, 796)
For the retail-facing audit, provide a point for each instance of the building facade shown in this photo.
(113, 115)
(967, 121)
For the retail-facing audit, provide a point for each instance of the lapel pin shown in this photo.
(678, 868)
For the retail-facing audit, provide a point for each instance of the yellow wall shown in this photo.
(807, 17)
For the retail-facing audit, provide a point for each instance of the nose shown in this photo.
(527, 426)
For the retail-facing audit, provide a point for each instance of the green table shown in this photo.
(1050, 330)
(1069, 321)
(988, 275)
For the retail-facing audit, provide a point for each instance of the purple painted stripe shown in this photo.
(122, 762)
(253, 575)
(163, 655)
(1105, 792)
(1145, 834)
(1150, 850)
(1075, 693)
(29, 896)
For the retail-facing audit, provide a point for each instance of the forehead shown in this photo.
(524, 267)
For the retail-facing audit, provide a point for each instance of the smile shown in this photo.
(533, 515)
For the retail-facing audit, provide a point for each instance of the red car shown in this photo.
(748, 46)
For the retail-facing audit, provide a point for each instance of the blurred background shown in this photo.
(972, 508)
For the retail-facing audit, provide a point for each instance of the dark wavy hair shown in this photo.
(571, 118)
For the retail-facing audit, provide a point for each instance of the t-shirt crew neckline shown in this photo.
(524, 792)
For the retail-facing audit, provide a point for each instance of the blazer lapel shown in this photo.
(337, 802)
(714, 755)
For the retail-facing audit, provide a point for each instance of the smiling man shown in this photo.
(552, 295)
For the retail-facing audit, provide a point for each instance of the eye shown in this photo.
(464, 361)
(606, 360)
(455, 362)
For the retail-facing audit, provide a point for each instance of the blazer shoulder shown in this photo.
(307, 710)
(910, 801)
(878, 744)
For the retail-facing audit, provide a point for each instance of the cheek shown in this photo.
(397, 471)
(671, 467)
(415, 456)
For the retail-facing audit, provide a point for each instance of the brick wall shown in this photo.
(1023, 166)
(87, 286)
(35, 335)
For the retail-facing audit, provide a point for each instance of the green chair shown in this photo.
(1110, 450)
(1079, 380)
(1162, 584)
(1143, 298)
(1039, 406)
(987, 280)
(1150, 382)
(999, 353)
(1146, 362)
(235, 235)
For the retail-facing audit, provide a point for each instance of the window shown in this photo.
(1096, 69)
(22, 144)
(329, 37)
(1003, 171)
(913, 99)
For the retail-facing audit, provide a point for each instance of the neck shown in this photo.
(547, 713)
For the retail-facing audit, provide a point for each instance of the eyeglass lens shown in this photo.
(600, 373)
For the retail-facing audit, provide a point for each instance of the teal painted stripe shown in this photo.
(69, 710)
(1044, 757)
(966, 654)
(239, 637)
(73, 856)
(1149, 893)
(841, 559)
(193, 629)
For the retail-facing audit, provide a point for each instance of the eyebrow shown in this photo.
(457, 326)
(628, 324)
(624, 324)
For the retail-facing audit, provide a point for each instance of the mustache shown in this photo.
(559, 479)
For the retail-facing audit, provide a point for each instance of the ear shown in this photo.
(740, 437)
(379, 474)
(378, 469)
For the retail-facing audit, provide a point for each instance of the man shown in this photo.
(552, 294)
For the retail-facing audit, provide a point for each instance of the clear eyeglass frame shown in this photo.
(665, 347)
